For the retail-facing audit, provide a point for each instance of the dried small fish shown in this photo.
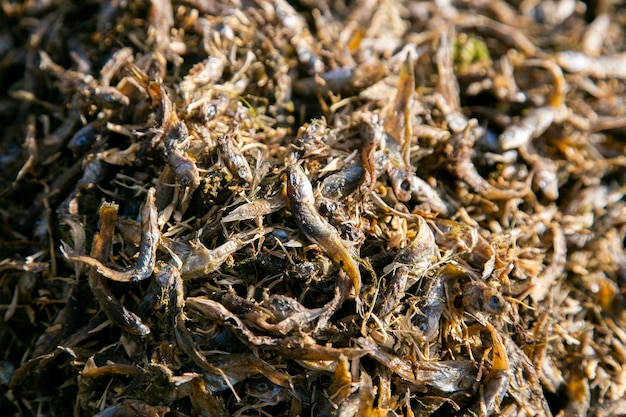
(530, 126)
(281, 314)
(255, 209)
(342, 183)
(84, 138)
(460, 154)
(204, 401)
(87, 85)
(595, 35)
(603, 66)
(110, 304)
(287, 308)
(398, 126)
(234, 160)
(445, 376)
(241, 367)
(172, 132)
(433, 301)
(314, 227)
(341, 80)
(454, 236)
(409, 265)
(267, 392)
(479, 296)
(467, 155)
(200, 261)
(150, 237)
(497, 383)
(183, 166)
(423, 192)
(298, 347)
(301, 38)
(537, 120)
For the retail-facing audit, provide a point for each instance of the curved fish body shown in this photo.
(316, 228)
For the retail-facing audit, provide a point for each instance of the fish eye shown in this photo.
(423, 326)
(405, 185)
(281, 235)
(262, 386)
(494, 301)
(424, 323)
(281, 305)
(82, 141)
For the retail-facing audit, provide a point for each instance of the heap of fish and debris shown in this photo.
(368, 208)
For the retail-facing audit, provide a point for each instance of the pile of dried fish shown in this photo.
(315, 208)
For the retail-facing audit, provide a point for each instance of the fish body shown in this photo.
(315, 227)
